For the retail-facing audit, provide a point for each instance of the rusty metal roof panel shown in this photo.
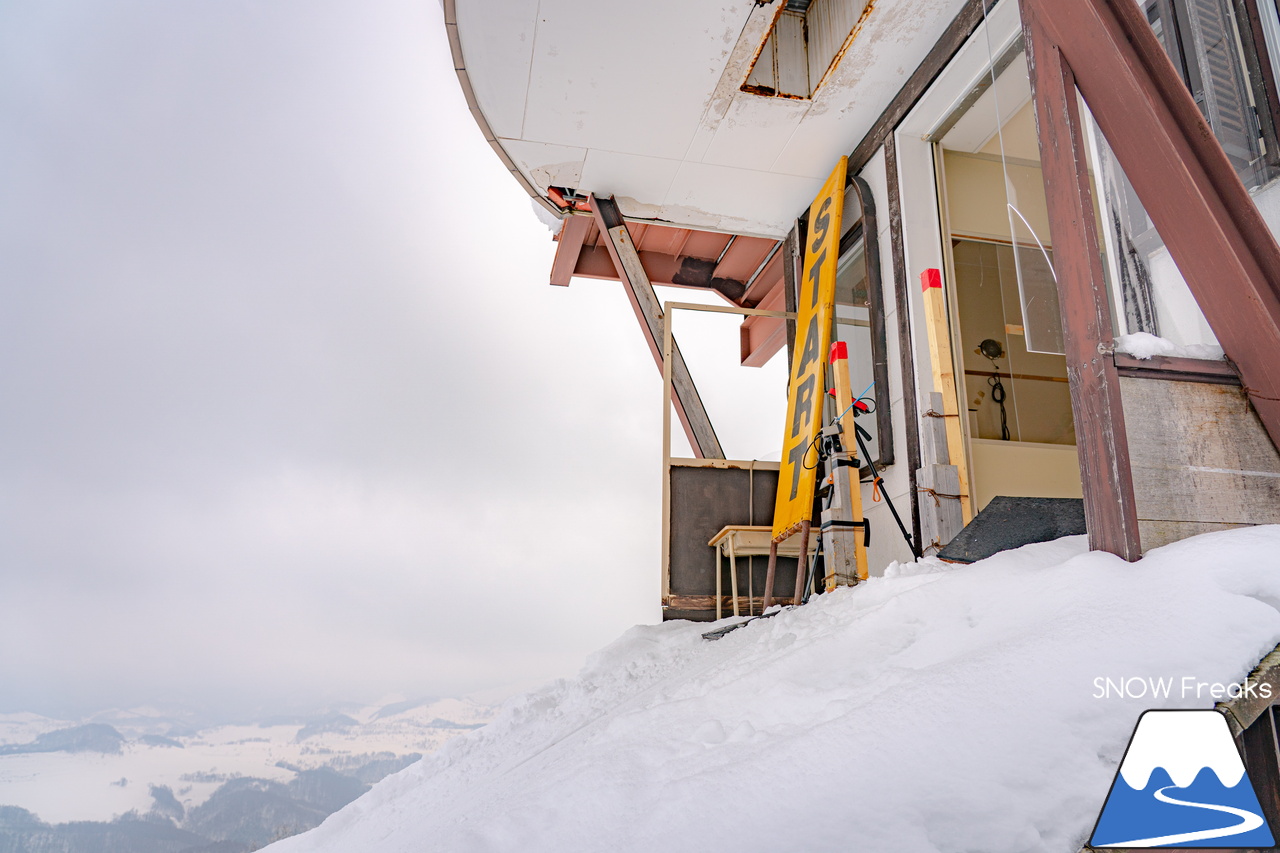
(666, 251)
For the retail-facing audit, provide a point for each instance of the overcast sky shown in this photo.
(288, 412)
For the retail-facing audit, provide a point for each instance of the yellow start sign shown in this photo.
(814, 309)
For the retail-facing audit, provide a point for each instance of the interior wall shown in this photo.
(1018, 137)
(976, 197)
(1024, 469)
(1038, 410)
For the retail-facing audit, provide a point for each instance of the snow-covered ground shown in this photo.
(67, 786)
(939, 708)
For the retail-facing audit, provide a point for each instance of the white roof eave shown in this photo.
(658, 119)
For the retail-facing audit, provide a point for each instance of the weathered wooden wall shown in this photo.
(703, 500)
(1201, 459)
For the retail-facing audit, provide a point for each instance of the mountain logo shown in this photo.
(1182, 783)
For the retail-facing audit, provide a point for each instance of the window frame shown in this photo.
(1260, 69)
(865, 228)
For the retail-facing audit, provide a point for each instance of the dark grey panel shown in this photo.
(703, 500)
(1008, 523)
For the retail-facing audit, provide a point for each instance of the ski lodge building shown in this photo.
(1055, 269)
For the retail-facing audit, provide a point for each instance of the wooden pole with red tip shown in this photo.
(841, 522)
(944, 379)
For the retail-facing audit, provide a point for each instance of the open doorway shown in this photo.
(1005, 327)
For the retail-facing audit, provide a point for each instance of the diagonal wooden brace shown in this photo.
(1212, 228)
(644, 301)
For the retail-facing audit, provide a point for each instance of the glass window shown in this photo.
(1213, 46)
(853, 326)
(1149, 294)
(860, 324)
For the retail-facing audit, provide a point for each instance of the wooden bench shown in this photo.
(742, 540)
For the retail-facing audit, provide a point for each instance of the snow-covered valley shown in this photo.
(940, 708)
(153, 765)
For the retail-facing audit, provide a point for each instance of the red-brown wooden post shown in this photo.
(1110, 514)
(1220, 242)
(769, 575)
(802, 565)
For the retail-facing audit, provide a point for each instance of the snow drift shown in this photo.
(940, 708)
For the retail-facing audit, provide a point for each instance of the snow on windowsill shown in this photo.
(1144, 345)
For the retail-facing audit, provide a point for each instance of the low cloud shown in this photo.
(289, 411)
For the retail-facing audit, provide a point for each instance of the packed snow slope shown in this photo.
(940, 708)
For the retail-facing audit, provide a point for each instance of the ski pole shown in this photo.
(879, 483)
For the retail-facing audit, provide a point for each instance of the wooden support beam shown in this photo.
(1101, 442)
(765, 277)
(938, 481)
(1177, 369)
(802, 569)
(1263, 763)
(1212, 228)
(762, 337)
(663, 269)
(644, 301)
(568, 247)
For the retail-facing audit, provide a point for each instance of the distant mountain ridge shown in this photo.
(243, 814)
(146, 781)
(92, 737)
